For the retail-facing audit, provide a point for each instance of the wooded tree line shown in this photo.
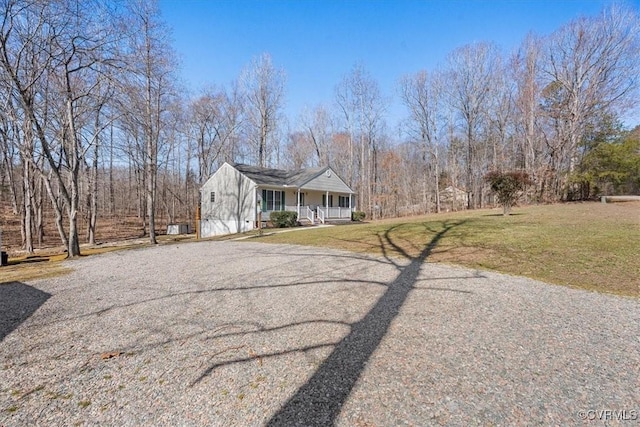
(95, 124)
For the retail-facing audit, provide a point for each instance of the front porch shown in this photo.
(315, 214)
(315, 207)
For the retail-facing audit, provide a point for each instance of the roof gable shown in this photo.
(303, 176)
(327, 180)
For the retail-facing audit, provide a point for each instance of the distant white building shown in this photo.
(235, 195)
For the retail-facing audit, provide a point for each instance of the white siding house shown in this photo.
(235, 197)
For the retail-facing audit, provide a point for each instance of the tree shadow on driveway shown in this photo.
(17, 303)
(319, 401)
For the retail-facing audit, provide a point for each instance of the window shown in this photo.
(324, 200)
(213, 196)
(343, 201)
(272, 200)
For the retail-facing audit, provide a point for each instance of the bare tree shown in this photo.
(151, 86)
(472, 71)
(94, 137)
(317, 125)
(528, 149)
(422, 95)
(49, 52)
(215, 118)
(501, 118)
(263, 86)
(362, 107)
(590, 70)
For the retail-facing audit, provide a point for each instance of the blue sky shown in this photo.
(318, 42)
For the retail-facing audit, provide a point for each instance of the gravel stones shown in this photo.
(243, 333)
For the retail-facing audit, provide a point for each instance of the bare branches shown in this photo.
(363, 106)
(423, 96)
(263, 91)
(215, 118)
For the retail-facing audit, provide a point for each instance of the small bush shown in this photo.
(357, 215)
(283, 219)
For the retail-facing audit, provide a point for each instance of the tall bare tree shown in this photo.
(215, 119)
(151, 87)
(422, 95)
(362, 108)
(318, 126)
(472, 71)
(528, 149)
(263, 86)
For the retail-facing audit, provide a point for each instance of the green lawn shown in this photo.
(587, 245)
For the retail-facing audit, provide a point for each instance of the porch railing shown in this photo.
(323, 213)
(311, 215)
(339, 213)
(305, 212)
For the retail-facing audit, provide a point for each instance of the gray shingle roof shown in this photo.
(279, 177)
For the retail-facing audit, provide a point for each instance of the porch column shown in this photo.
(298, 204)
(327, 206)
(257, 200)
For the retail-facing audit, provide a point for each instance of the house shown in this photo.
(236, 197)
(452, 198)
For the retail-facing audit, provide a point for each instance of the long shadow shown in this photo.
(319, 401)
(17, 303)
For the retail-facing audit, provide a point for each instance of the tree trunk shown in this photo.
(27, 213)
(8, 160)
(39, 212)
(74, 240)
(151, 206)
(151, 143)
(93, 182)
(436, 177)
(57, 209)
(112, 196)
(73, 248)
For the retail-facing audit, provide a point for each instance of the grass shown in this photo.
(591, 246)
(25, 272)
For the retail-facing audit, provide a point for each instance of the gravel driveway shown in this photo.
(243, 333)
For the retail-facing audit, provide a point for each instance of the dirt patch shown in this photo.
(110, 229)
